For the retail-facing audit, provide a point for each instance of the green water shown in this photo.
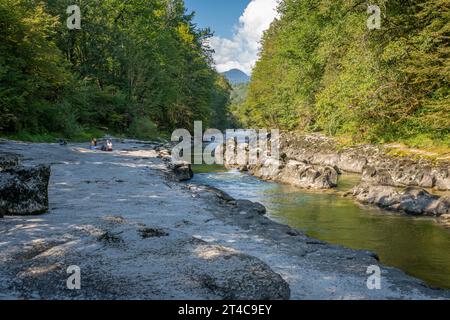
(419, 246)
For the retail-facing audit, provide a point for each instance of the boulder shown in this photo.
(222, 195)
(406, 172)
(8, 160)
(414, 201)
(308, 176)
(381, 167)
(297, 173)
(24, 190)
(352, 162)
(182, 171)
(236, 155)
(442, 178)
(246, 206)
(236, 276)
(267, 169)
(377, 176)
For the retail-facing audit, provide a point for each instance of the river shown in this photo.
(419, 246)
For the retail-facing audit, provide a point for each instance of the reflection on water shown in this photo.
(418, 246)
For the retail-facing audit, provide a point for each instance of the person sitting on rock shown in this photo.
(93, 144)
(109, 146)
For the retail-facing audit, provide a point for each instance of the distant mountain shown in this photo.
(236, 76)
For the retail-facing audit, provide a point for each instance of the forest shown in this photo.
(143, 68)
(136, 68)
(322, 70)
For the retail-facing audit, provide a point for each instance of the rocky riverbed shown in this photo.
(138, 233)
(397, 183)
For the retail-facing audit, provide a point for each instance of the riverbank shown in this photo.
(416, 245)
(393, 178)
(136, 234)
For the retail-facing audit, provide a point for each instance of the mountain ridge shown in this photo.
(236, 76)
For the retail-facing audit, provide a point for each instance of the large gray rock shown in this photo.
(8, 160)
(442, 178)
(310, 161)
(375, 176)
(239, 206)
(235, 155)
(414, 201)
(239, 276)
(24, 190)
(302, 174)
(181, 171)
(385, 169)
(308, 176)
(247, 206)
(352, 161)
(406, 173)
(299, 174)
(268, 169)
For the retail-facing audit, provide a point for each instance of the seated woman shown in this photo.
(93, 144)
(109, 146)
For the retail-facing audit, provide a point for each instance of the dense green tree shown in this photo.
(322, 69)
(238, 112)
(132, 63)
(32, 69)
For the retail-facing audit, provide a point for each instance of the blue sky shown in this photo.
(220, 15)
(238, 27)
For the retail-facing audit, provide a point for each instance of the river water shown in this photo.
(419, 246)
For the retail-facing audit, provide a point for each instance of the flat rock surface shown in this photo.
(136, 235)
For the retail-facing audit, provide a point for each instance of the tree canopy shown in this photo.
(321, 69)
(134, 66)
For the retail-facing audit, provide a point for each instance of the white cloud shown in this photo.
(241, 51)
